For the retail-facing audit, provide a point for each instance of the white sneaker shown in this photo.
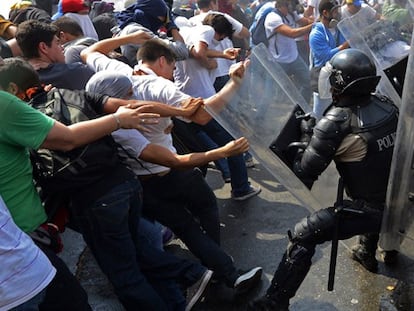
(249, 193)
(199, 288)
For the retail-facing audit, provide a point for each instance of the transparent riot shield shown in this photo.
(397, 228)
(264, 111)
(387, 43)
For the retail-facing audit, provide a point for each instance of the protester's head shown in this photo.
(110, 83)
(221, 25)
(329, 12)
(69, 29)
(151, 14)
(283, 6)
(37, 39)
(328, 6)
(159, 56)
(17, 76)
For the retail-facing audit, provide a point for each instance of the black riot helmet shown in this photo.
(353, 73)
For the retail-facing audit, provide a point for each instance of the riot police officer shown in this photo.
(358, 133)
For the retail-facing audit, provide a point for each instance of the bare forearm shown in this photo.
(163, 110)
(215, 103)
(215, 54)
(106, 46)
(66, 138)
(159, 155)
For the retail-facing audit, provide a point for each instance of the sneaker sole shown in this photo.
(247, 196)
(252, 278)
(201, 289)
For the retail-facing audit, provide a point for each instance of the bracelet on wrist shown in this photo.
(118, 122)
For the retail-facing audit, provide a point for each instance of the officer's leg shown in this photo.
(296, 262)
(366, 222)
(364, 251)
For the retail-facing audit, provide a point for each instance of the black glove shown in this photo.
(306, 127)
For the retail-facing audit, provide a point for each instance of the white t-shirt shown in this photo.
(287, 50)
(223, 65)
(153, 88)
(366, 13)
(190, 77)
(145, 87)
(315, 5)
(25, 270)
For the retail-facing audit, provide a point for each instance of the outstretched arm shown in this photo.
(110, 44)
(222, 98)
(66, 138)
(160, 155)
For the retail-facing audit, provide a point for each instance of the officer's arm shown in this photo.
(326, 139)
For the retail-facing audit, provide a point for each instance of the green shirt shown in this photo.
(21, 128)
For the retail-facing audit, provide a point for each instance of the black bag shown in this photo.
(258, 31)
(314, 78)
(71, 171)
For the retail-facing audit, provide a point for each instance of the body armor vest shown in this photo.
(376, 122)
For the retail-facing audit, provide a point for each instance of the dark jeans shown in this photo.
(32, 304)
(64, 292)
(134, 267)
(183, 201)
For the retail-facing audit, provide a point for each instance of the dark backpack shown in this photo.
(71, 171)
(258, 31)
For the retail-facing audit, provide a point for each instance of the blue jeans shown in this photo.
(151, 231)
(134, 267)
(183, 201)
(221, 164)
(298, 71)
(238, 171)
(32, 304)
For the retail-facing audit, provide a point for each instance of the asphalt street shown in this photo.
(254, 233)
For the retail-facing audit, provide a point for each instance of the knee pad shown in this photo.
(316, 228)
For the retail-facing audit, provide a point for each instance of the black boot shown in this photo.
(288, 277)
(364, 252)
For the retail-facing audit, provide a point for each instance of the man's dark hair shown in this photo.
(220, 24)
(328, 5)
(204, 4)
(153, 49)
(69, 25)
(31, 33)
(18, 71)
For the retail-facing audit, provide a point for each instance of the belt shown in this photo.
(147, 177)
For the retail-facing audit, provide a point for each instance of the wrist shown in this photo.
(117, 120)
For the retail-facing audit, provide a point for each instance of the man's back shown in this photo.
(69, 76)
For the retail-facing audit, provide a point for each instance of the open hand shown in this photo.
(236, 147)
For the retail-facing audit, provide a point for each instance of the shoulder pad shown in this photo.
(338, 114)
(379, 110)
(335, 121)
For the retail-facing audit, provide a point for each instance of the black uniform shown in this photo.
(364, 167)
